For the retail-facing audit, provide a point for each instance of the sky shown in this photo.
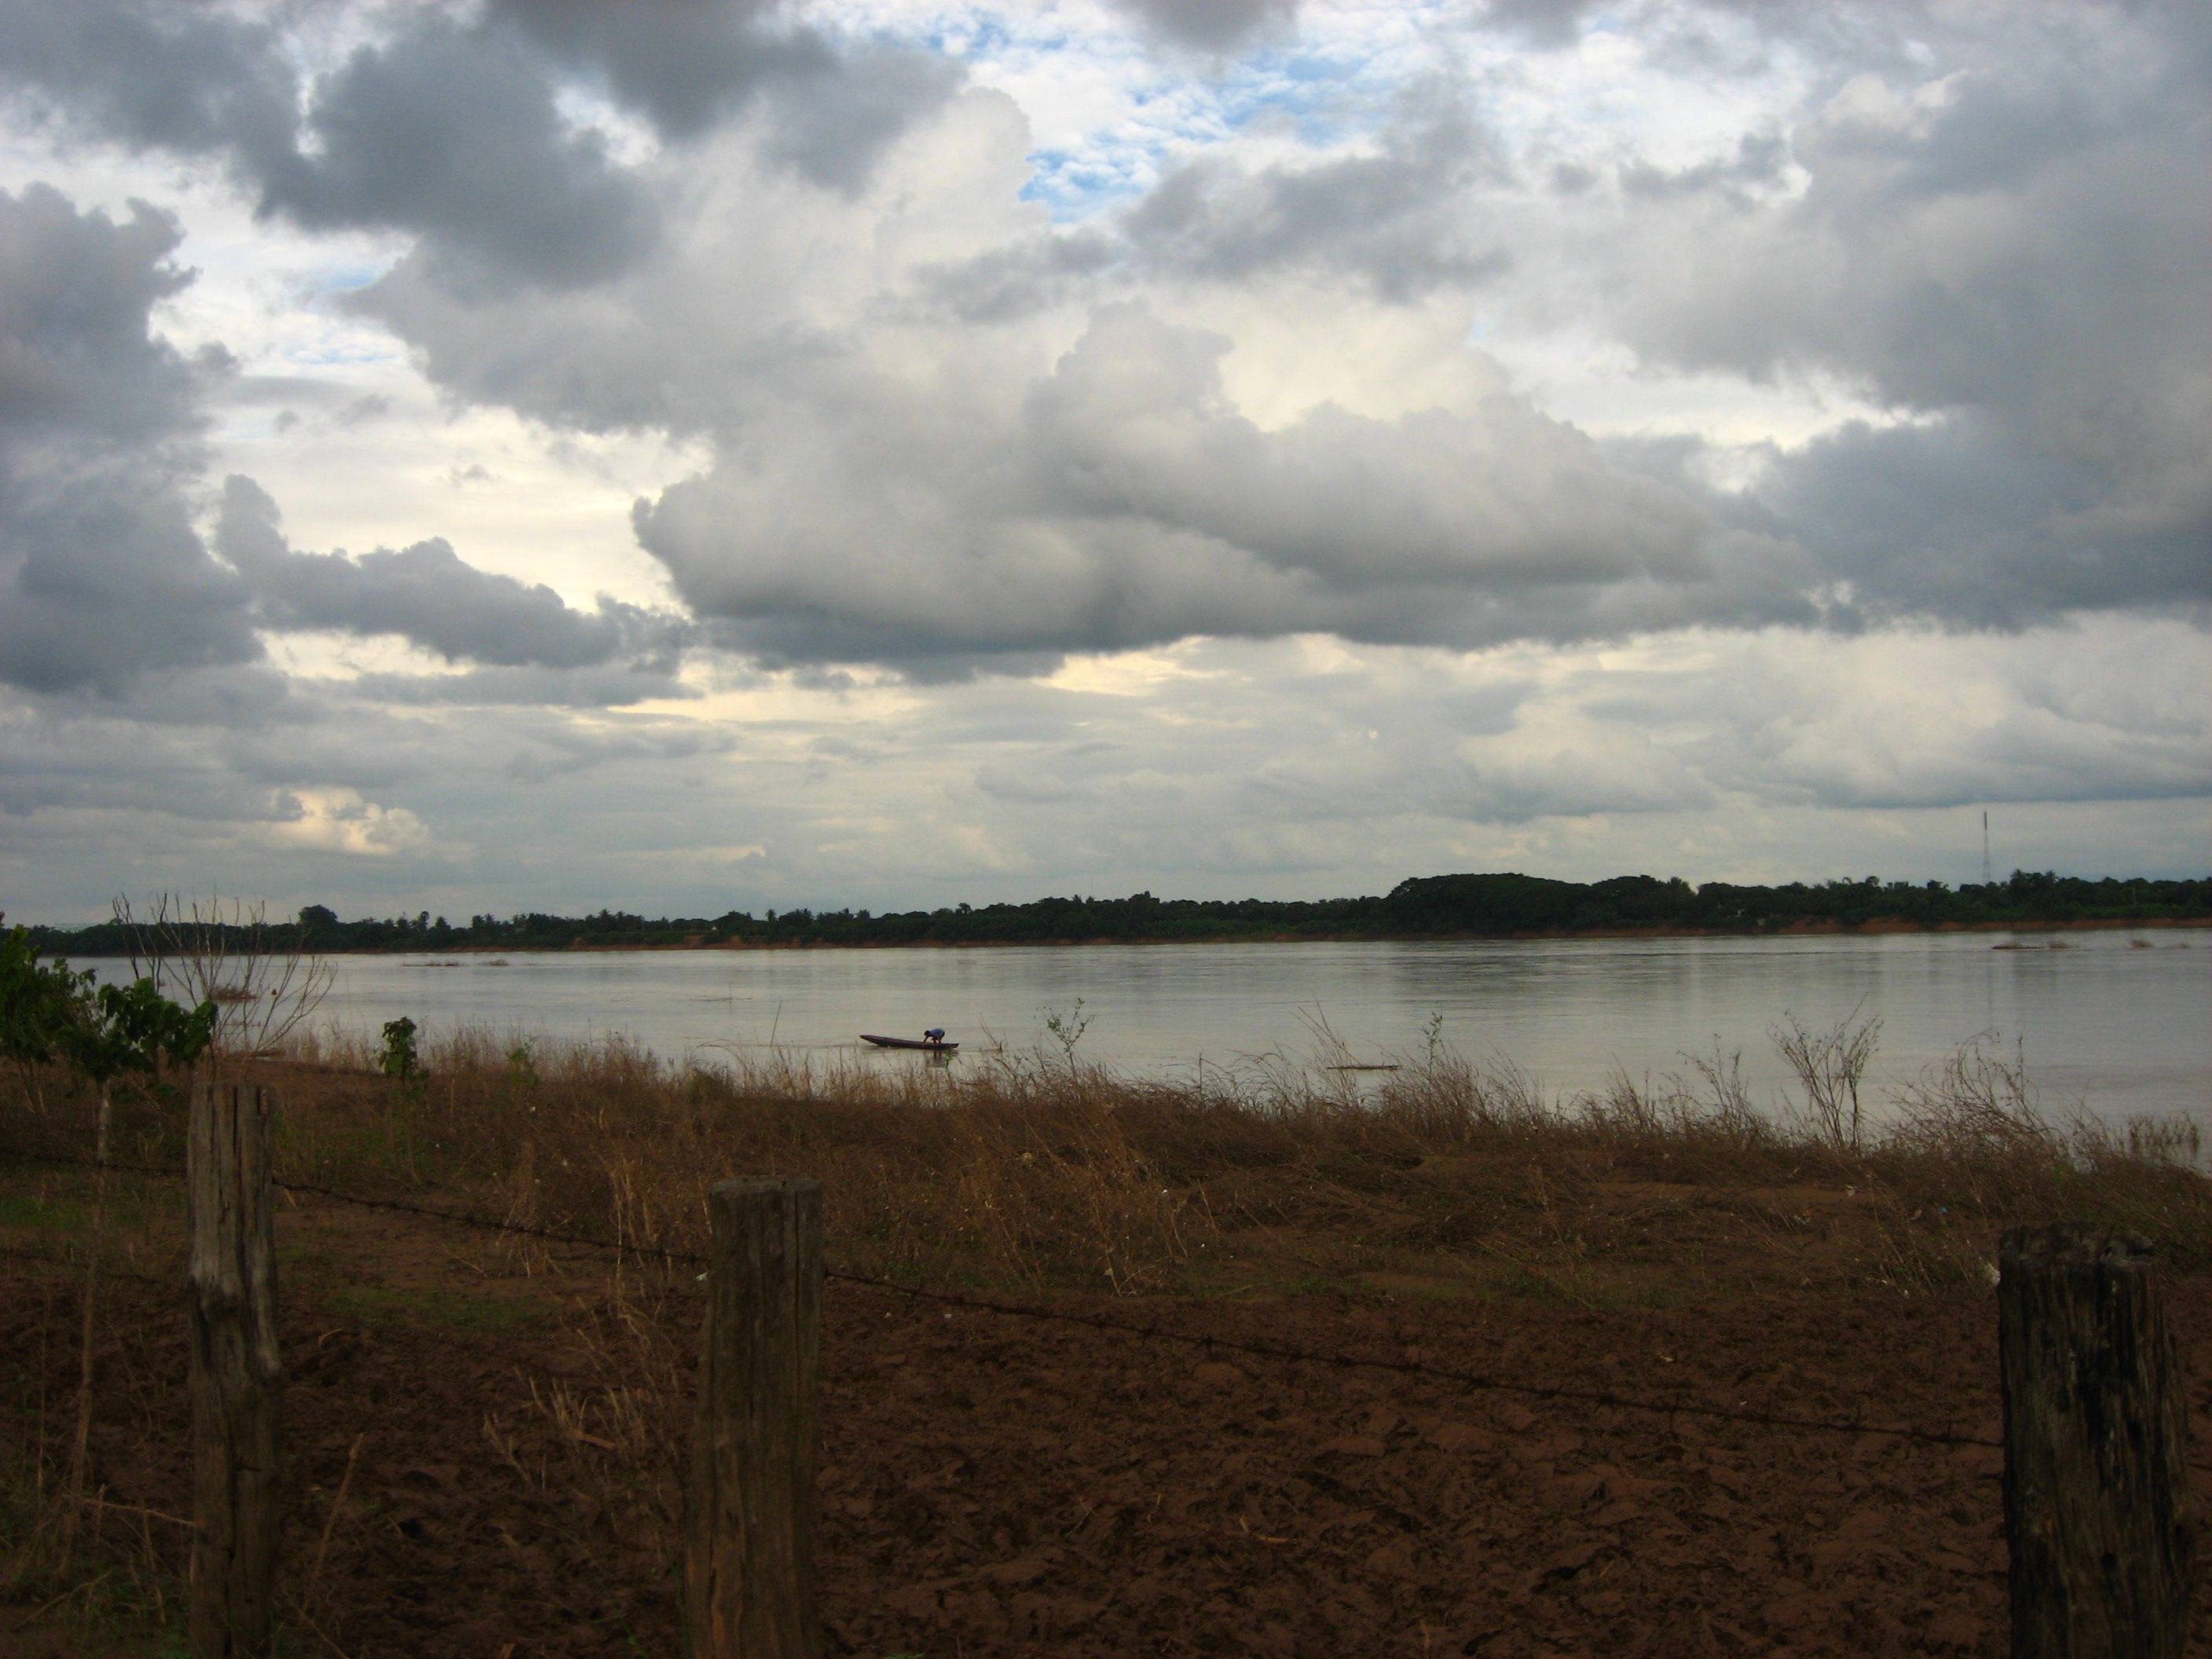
(717, 454)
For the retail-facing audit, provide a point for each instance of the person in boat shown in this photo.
(934, 1034)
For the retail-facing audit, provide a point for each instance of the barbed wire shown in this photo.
(16, 1253)
(1473, 1381)
(460, 1217)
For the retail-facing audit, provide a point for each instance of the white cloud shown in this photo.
(340, 821)
(1210, 768)
(1278, 448)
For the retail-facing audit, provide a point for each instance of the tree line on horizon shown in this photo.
(1501, 904)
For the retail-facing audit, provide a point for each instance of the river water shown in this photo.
(2119, 1022)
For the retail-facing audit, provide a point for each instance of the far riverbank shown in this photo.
(1502, 905)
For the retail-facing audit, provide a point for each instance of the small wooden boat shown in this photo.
(926, 1046)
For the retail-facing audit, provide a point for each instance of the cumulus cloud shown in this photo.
(1397, 218)
(1219, 768)
(1197, 523)
(685, 66)
(1212, 26)
(340, 821)
(447, 132)
(426, 594)
(451, 129)
(1393, 216)
(831, 105)
(101, 574)
(104, 576)
(995, 511)
(1124, 500)
(609, 686)
(1999, 252)
(832, 130)
(454, 134)
(194, 80)
(1546, 24)
(1983, 243)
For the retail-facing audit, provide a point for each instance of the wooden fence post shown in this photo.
(237, 1375)
(749, 1556)
(2097, 1510)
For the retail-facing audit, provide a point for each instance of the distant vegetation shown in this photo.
(1424, 907)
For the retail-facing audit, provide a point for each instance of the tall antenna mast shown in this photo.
(1985, 849)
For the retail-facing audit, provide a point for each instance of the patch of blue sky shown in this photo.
(1111, 113)
(1322, 101)
(351, 349)
(1076, 187)
(1322, 96)
(968, 35)
(349, 278)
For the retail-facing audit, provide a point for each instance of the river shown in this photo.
(2121, 1023)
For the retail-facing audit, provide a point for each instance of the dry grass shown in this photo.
(1447, 1178)
(1033, 1172)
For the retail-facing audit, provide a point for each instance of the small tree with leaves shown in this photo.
(124, 1030)
(36, 1000)
(104, 1034)
(401, 1060)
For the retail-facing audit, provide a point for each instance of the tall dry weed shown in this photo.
(1032, 1170)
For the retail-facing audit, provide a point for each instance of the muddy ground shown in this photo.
(507, 1426)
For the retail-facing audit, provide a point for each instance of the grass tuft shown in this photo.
(1034, 1172)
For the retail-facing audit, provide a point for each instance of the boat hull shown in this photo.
(911, 1042)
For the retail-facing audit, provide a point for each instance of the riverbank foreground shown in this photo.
(1614, 1376)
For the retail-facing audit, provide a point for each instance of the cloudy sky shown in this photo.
(712, 454)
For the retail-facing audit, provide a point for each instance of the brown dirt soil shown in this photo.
(999, 1485)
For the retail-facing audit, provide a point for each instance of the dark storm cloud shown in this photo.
(1210, 24)
(1989, 244)
(101, 575)
(1951, 521)
(530, 687)
(103, 578)
(1972, 245)
(447, 132)
(1757, 161)
(79, 364)
(689, 66)
(183, 78)
(451, 131)
(426, 594)
(1397, 218)
(454, 134)
(831, 128)
(1401, 220)
(2008, 254)
(1546, 24)
(685, 64)
(1008, 282)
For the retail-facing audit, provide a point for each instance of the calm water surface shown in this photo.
(2121, 1028)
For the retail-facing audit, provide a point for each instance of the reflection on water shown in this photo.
(2121, 1027)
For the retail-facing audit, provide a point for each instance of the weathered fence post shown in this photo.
(2097, 1500)
(749, 1557)
(237, 1376)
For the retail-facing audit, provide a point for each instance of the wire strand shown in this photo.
(1419, 1368)
(1470, 1380)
